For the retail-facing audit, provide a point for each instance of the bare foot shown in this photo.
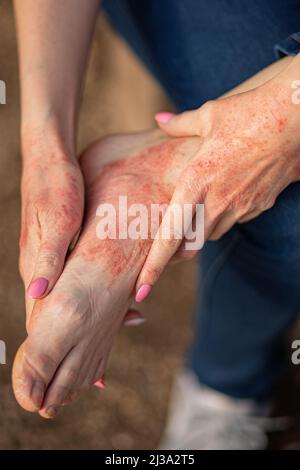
(70, 332)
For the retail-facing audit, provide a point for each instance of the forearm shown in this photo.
(54, 38)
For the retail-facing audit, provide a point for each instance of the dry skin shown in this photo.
(130, 414)
(74, 326)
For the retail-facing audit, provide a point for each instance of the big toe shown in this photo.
(20, 383)
(34, 368)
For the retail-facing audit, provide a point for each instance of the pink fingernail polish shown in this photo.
(100, 383)
(37, 288)
(143, 292)
(163, 118)
(134, 321)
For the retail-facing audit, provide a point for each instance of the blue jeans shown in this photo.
(249, 289)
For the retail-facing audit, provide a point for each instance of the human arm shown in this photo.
(54, 38)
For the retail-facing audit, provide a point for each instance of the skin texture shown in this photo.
(52, 209)
(250, 152)
(70, 332)
(54, 39)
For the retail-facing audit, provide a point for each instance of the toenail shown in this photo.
(100, 383)
(51, 411)
(37, 393)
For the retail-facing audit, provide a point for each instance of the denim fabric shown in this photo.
(289, 46)
(249, 291)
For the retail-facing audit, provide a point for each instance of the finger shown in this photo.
(189, 123)
(176, 222)
(250, 216)
(28, 253)
(179, 125)
(183, 254)
(225, 223)
(133, 318)
(49, 263)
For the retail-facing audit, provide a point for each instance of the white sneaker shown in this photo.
(201, 418)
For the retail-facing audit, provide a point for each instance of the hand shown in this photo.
(65, 353)
(250, 152)
(52, 208)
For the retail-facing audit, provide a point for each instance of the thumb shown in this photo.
(48, 265)
(179, 125)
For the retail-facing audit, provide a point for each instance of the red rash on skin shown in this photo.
(144, 178)
(66, 214)
(148, 177)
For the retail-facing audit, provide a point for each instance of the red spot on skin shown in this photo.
(145, 178)
(281, 124)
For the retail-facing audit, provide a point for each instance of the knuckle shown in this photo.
(49, 260)
(270, 204)
(154, 272)
(192, 183)
(206, 116)
(171, 243)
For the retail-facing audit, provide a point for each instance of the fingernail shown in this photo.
(37, 393)
(51, 411)
(134, 321)
(100, 383)
(37, 288)
(163, 118)
(143, 292)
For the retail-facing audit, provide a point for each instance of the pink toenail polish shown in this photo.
(143, 292)
(100, 383)
(37, 288)
(37, 393)
(164, 118)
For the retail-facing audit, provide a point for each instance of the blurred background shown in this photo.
(130, 413)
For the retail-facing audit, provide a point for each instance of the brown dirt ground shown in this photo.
(130, 414)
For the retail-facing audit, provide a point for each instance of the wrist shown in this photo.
(47, 108)
(40, 141)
